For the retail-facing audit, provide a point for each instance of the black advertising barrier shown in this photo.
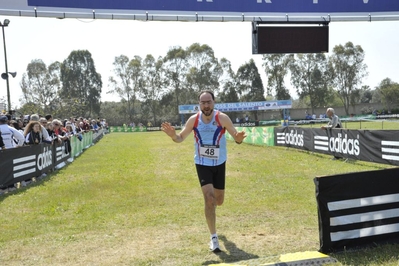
(19, 164)
(380, 146)
(60, 153)
(358, 209)
(22, 163)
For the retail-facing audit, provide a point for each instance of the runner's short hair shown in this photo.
(331, 109)
(206, 91)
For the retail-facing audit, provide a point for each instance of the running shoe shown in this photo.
(214, 244)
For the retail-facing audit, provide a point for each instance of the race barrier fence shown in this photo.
(256, 135)
(19, 164)
(354, 209)
(358, 209)
(378, 146)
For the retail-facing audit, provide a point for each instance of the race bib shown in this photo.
(210, 151)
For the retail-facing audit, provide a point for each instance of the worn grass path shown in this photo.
(134, 199)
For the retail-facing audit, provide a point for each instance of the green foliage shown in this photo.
(249, 83)
(309, 75)
(228, 93)
(389, 92)
(152, 89)
(347, 70)
(277, 67)
(204, 71)
(176, 68)
(81, 84)
(127, 83)
(40, 86)
(134, 199)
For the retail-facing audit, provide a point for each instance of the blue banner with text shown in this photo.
(251, 6)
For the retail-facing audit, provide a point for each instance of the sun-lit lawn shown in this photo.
(134, 199)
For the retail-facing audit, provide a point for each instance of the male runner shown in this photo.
(210, 156)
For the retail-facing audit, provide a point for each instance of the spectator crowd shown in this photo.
(35, 129)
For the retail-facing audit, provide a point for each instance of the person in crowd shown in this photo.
(68, 134)
(49, 118)
(2, 146)
(59, 132)
(64, 123)
(50, 130)
(85, 125)
(33, 134)
(98, 121)
(15, 124)
(334, 122)
(36, 117)
(73, 124)
(209, 126)
(94, 125)
(78, 130)
(103, 124)
(11, 137)
(9, 117)
(21, 124)
(43, 121)
(25, 123)
(81, 127)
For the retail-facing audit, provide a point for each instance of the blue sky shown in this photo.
(53, 39)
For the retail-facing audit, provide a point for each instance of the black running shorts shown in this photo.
(215, 175)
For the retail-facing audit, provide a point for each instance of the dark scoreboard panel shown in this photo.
(290, 39)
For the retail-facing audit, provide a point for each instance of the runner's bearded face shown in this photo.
(206, 104)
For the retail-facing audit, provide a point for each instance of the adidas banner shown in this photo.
(380, 146)
(19, 164)
(358, 209)
(61, 152)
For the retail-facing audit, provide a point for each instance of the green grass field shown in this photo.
(134, 199)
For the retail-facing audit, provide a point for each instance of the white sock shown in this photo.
(214, 235)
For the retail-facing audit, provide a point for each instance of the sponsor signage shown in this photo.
(293, 137)
(339, 144)
(127, 129)
(207, 10)
(358, 209)
(22, 163)
(61, 154)
(380, 146)
(256, 135)
(25, 162)
(137, 129)
(240, 106)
